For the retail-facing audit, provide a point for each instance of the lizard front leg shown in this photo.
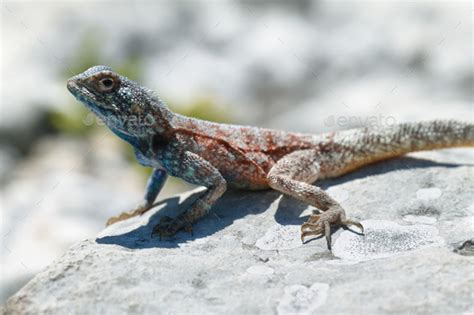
(155, 184)
(293, 175)
(198, 171)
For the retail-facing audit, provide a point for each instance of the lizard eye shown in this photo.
(107, 84)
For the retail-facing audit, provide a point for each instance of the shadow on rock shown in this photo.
(238, 204)
(290, 209)
(233, 205)
(386, 166)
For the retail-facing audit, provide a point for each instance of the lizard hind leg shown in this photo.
(293, 175)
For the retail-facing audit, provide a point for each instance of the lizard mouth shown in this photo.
(72, 86)
(82, 94)
(79, 91)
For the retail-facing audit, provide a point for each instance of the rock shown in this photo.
(245, 257)
(384, 239)
(299, 299)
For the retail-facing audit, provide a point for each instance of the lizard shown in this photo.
(219, 156)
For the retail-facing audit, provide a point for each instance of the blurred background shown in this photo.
(308, 66)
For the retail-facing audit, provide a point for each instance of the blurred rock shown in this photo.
(264, 59)
(62, 193)
(245, 258)
(9, 155)
(372, 102)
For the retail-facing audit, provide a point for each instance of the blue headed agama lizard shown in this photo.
(218, 156)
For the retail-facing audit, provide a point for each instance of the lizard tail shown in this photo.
(360, 147)
(420, 136)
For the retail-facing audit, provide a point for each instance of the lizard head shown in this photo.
(126, 108)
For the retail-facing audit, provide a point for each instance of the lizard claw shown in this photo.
(348, 222)
(316, 225)
(321, 224)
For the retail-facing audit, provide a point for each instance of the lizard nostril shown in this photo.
(70, 84)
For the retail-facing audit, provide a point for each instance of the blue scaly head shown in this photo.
(129, 110)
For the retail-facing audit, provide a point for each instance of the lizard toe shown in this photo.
(118, 218)
(320, 224)
(348, 222)
(313, 227)
(139, 210)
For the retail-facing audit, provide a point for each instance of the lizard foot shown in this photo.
(168, 226)
(320, 224)
(129, 214)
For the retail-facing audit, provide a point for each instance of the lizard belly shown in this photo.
(146, 160)
(245, 182)
(238, 170)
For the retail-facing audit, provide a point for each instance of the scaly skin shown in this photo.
(218, 156)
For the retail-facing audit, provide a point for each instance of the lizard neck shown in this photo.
(156, 121)
(161, 123)
(133, 140)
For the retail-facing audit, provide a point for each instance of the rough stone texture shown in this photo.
(246, 258)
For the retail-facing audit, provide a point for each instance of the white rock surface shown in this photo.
(384, 239)
(245, 257)
(299, 299)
